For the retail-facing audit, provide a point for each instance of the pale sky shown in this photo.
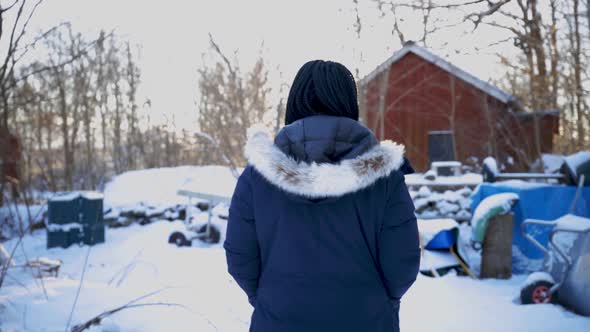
(173, 35)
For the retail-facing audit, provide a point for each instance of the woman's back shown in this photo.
(321, 233)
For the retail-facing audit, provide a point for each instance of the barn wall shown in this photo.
(421, 97)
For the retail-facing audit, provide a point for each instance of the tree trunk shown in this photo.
(68, 176)
(579, 92)
(554, 55)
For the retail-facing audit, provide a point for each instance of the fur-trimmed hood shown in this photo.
(321, 179)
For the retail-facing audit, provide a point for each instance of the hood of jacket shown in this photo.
(322, 156)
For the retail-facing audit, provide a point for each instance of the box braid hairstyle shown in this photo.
(322, 87)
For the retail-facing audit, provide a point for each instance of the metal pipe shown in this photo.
(532, 239)
(529, 176)
(578, 193)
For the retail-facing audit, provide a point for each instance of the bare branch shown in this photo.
(220, 53)
(477, 18)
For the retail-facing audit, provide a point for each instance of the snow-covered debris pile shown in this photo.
(448, 204)
(159, 186)
(144, 195)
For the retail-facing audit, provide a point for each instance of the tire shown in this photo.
(536, 293)
(214, 235)
(179, 239)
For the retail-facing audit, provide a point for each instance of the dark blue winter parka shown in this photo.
(322, 234)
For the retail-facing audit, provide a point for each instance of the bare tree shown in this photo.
(14, 51)
(231, 102)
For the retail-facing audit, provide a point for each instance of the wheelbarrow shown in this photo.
(565, 278)
(207, 232)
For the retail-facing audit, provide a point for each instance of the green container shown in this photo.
(57, 239)
(75, 217)
(64, 236)
(91, 208)
(94, 234)
(75, 236)
(64, 208)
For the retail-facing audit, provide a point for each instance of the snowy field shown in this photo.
(137, 261)
(180, 289)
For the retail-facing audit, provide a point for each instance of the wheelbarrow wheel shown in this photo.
(537, 293)
(179, 239)
(214, 234)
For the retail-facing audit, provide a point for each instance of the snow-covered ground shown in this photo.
(189, 288)
(137, 260)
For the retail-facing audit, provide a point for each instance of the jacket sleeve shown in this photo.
(241, 244)
(399, 247)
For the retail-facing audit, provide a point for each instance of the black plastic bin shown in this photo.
(75, 217)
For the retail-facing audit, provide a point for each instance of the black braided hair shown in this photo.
(322, 87)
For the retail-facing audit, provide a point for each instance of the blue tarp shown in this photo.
(545, 202)
(443, 240)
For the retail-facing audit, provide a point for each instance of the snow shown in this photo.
(572, 223)
(424, 192)
(552, 162)
(577, 159)
(484, 208)
(68, 196)
(447, 208)
(429, 228)
(431, 204)
(63, 227)
(492, 165)
(536, 277)
(468, 179)
(434, 259)
(196, 278)
(137, 260)
(47, 261)
(157, 187)
(519, 184)
(436, 164)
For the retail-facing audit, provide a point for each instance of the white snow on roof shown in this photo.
(445, 65)
(68, 196)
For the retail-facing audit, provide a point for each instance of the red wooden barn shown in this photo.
(416, 93)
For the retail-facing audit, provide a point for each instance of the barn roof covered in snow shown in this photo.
(412, 47)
